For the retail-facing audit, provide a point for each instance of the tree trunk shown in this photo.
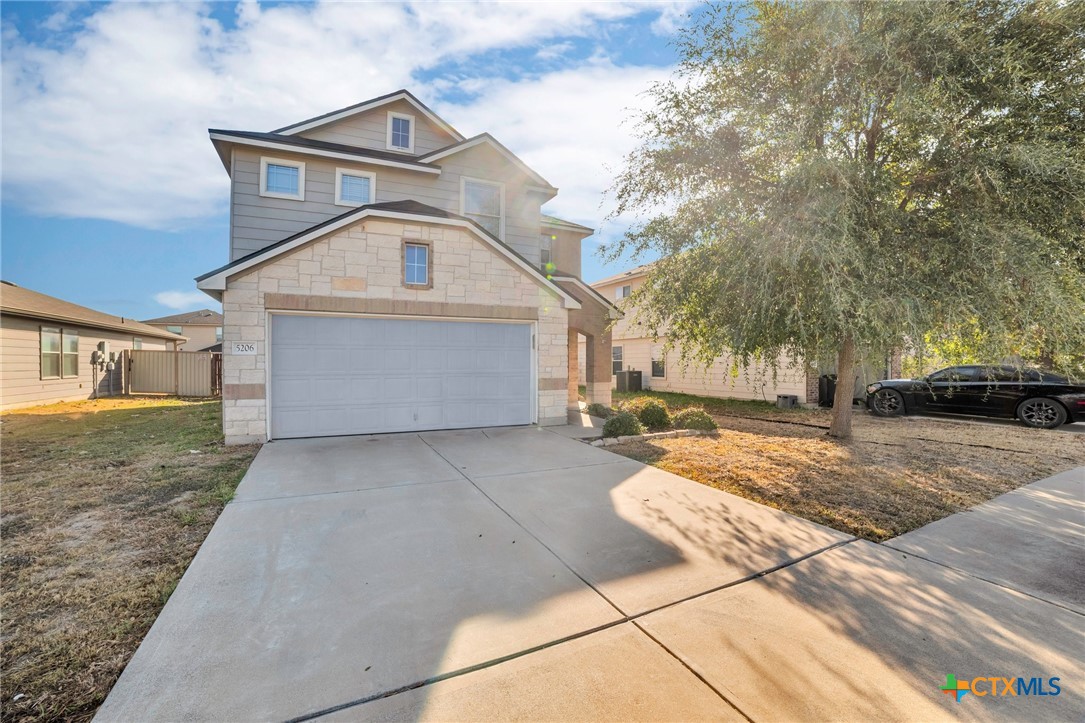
(840, 426)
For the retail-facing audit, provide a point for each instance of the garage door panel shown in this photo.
(356, 375)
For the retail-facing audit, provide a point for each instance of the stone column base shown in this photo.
(599, 393)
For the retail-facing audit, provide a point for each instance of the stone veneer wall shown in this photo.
(364, 263)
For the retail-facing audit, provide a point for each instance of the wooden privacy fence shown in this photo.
(184, 373)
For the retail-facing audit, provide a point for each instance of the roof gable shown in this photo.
(200, 317)
(369, 105)
(488, 140)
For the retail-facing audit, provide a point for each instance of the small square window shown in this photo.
(282, 179)
(416, 264)
(659, 368)
(616, 359)
(623, 292)
(354, 188)
(137, 343)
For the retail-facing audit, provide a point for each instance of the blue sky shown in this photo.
(112, 196)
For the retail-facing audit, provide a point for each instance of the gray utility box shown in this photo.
(628, 381)
(787, 401)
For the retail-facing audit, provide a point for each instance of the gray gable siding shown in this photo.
(370, 130)
(257, 221)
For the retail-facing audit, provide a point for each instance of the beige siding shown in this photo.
(21, 384)
(257, 221)
(200, 336)
(370, 130)
(721, 379)
(566, 251)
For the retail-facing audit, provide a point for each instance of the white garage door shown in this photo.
(350, 375)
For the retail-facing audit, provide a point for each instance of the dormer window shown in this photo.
(400, 132)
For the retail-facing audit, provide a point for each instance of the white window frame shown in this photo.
(464, 180)
(620, 359)
(340, 172)
(388, 138)
(137, 343)
(658, 357)
(300, 165)
(623, 292)
(546, 251)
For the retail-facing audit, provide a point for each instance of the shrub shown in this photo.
(693, 418)
(634, 405)
(596, 409)
(654, 415)
(622, 424)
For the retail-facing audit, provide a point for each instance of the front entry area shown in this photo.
(342, 375)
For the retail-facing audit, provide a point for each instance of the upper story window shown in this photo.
(623, 292)
(484, 203)
(282, 179)
(400, 132)
(175, 329)
(59, 353)
(218, 334)
(416, 265)
(354, 188)
(546, 251)
(137, 343)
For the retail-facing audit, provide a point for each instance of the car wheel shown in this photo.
(1041, 412)
(887, 403)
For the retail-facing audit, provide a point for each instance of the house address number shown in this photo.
(244, 348)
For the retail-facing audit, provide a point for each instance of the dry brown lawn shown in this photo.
(894, 476)
(104, 504)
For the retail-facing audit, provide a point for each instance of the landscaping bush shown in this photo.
(622, 424)
(654, 415)
(693, 418)
(596, 409)
(634, 405)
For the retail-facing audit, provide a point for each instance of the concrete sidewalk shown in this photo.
(1031, 540)
(519, 574)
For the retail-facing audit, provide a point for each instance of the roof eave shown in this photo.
(225, 137)
(74, 320)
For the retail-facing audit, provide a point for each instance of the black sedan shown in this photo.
(1037, 398)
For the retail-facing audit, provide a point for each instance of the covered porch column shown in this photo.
(593, 320)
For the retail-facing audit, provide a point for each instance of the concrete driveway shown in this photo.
(518, 574)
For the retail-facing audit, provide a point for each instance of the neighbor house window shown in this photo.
(137, 343)
(659, 364)
(218, 334)
(416, 265)
(282, 179)
(546, 251)
(59, 353)
(354, 188)
(616, 359)
(623, 292)
(484, 203)
(401, 132)
(174, 329)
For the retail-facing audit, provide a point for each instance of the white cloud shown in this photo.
(182, 300)
(112, 122)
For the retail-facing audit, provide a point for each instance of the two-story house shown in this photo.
(388, 274)
(203, 328)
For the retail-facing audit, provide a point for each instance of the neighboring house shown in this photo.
(46, 346)
(388, 274)
(633, 348)
(203, 329)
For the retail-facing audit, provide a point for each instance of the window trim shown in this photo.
(546, 245)
(137, 343)
(658, 357)
(42, 330)
(170, 328)
(464, 180)
(429, 263)
(619, 361)
(340, 172)
(388, 136)
(620, 294)
(269, 160)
